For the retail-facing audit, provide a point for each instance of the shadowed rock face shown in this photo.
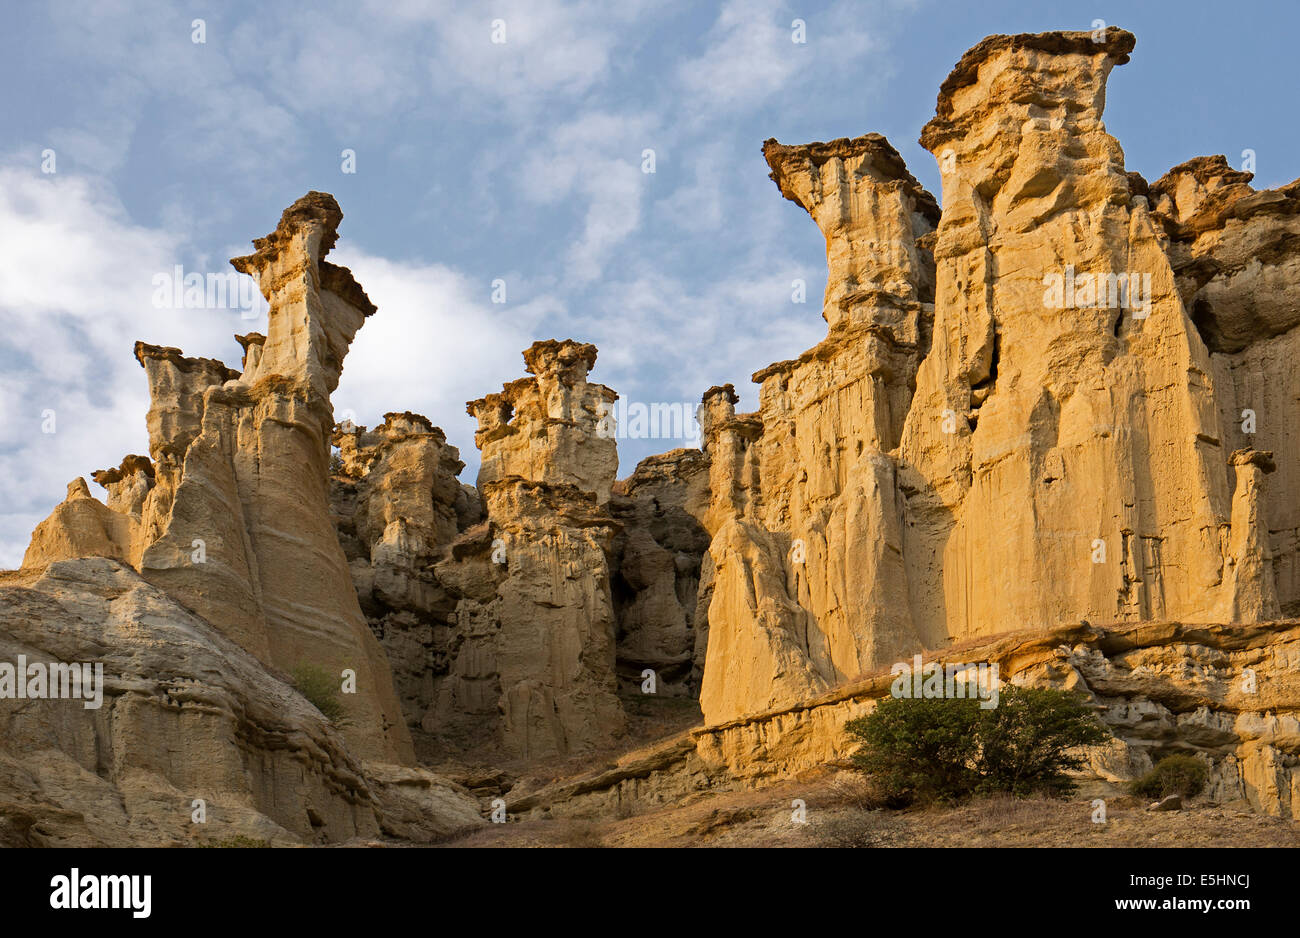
(186, 715)
(398, 506)
(439, 591)
(659, 581)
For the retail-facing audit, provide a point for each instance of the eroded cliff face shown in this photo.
(231, 516)
(1227, 695)
(532, 659)
(212, 572)
(659, 585)
(1068, 395)
(807, 550)
(398, 506)
(1086, 452)
(1073, 429)
(433, 573)
(1235, 252)
(186, 716)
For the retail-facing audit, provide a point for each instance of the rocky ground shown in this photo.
(490, 772)
(835, 817)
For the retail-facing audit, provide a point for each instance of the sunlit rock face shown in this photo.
(1235, 257)
(534, 658)
(1031, 407)
(230, 515)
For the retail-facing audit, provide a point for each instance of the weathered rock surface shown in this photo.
(658, 556)
(82, 526)
(1235, 252)
(549, 428)
(532, 661)
(1229, 695)
(1086, 451)
(253, 485)
(808, 575)
(186, 715)
(231, 517)
(398, 506)
(1055, 417)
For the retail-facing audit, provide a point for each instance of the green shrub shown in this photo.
(1026, 739)
(946, 749)
(1172, 775)
(322, 690)
(919, 749)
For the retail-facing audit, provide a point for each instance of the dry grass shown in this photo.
(840, 815)
(581, 834)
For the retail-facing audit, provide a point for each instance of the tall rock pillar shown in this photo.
(537, 614)
(239, 519)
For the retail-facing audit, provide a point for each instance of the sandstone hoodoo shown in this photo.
(535, 608)
(1050, 428)
(971, 450)
(231, 519)
(210, 577)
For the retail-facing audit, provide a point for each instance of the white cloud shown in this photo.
(596, 161)
(697, 207)
(141, 72)
(75, 293)
(672, 340)
(752, 58)
(551, 48)
(436, 342)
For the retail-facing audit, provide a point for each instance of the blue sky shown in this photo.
(520, 161)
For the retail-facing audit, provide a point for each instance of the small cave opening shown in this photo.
(1207, 326)
(981, 389)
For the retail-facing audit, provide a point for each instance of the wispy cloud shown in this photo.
(76, 287)
(520, 159)
(437, 341)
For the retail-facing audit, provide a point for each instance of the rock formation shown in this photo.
(231, 519)
(398, 506)
(1055, 417)
(1227, 695)
(533, 657)
(1233, 251)
(83, 526)
(658, 560)
(1065, 397)
(809, 581)
(1087, 452)
(188, 720)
